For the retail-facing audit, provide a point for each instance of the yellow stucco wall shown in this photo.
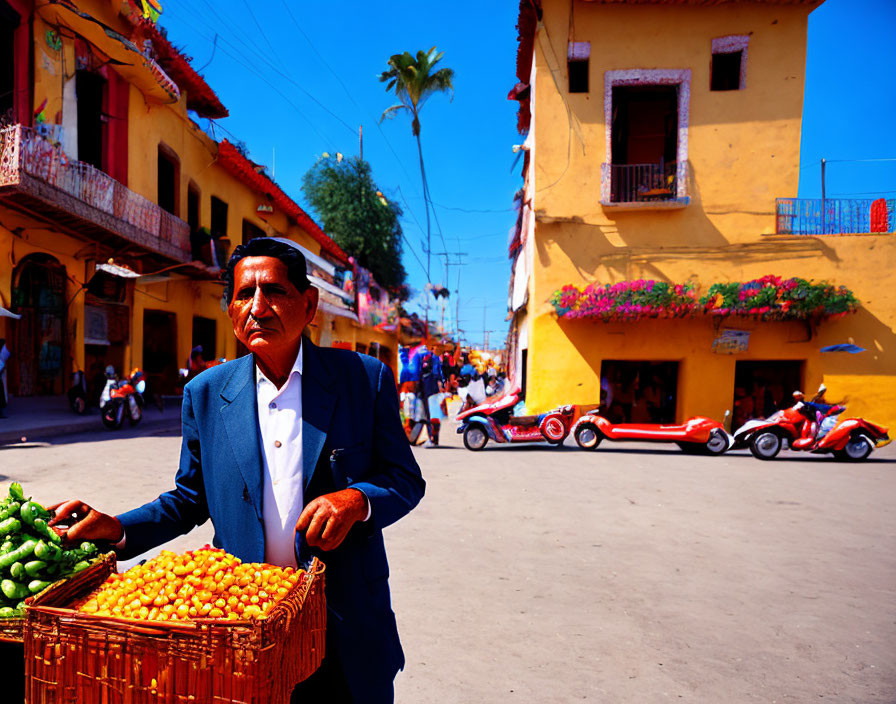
(743, 149)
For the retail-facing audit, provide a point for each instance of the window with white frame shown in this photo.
(646, 116)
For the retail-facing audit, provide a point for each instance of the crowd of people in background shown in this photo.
(429, 381)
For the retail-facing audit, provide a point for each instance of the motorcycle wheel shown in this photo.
(78, 405)
(475, 437)
(113, 414)
(553, 430)
(135, 414)
(588, 437)
(765, 445)
(857, 449)
(717, 443)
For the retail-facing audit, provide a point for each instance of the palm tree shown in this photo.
(414, 80)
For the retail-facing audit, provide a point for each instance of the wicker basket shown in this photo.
(74, 657)
(11, 629)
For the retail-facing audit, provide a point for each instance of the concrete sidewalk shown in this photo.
(47, 417)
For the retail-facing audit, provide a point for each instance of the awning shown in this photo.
(844, 347)
(333, 305)
(116, 270)
(331, 289)
(325, 307)
(125, 56)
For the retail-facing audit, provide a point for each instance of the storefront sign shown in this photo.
(731, 341)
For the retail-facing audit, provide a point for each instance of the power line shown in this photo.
(361, 111)
(325, 139)
(273, 67)
(361, 114)
(843, 161)
(473, 210)
(263, 35)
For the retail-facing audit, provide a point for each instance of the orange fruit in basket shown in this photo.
(206, 583)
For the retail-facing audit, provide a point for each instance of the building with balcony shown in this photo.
(660, 264)
(117, 211)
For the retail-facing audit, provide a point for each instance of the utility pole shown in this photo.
(824, 217)
(459, 262)
(361, 141)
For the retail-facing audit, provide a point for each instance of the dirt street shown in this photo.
(630, 574)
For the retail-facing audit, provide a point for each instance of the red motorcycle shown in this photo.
(495, 421)
(698, 435)
(122, 398)
(810, 427)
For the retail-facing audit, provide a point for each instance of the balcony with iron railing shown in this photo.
(834, 216)
(37, 177)
(661, 185)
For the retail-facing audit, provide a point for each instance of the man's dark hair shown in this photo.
(296, 269)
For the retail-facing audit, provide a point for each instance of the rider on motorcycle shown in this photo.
(818, 411)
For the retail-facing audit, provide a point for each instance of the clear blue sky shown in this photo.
(304, 95)
(849, 110)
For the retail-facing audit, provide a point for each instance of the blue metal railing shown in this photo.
(831, 216)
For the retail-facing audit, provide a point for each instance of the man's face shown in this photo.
(267, 311)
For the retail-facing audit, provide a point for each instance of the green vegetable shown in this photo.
(33, 568)
(19, 554)
(7, 612)
(37, 585)
(15, 491)
(43, 551)
(41, 527)
(87, 548)
(11, 511)
(32, 511)
(10, 525)
(17, 570)
(82, 565)
(14, 590)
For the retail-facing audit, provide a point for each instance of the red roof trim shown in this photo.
(200, 97)
(230, 158)
(526, 26)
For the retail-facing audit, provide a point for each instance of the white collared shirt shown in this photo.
(280, 423)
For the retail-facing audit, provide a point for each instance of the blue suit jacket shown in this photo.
(351, 437)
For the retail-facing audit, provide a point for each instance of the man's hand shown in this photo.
(328, 518)
(85, 523)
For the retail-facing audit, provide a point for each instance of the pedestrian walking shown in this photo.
(5, 354)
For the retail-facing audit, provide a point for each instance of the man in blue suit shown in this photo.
(291, 451)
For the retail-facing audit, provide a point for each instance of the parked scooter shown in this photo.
(811, 427)
(495, 421)
(122, 398)
(77, 394)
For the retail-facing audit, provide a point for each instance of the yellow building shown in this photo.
(662, 146)
(117, 210)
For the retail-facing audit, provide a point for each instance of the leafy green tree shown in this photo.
(358, 217)
(413, 80)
